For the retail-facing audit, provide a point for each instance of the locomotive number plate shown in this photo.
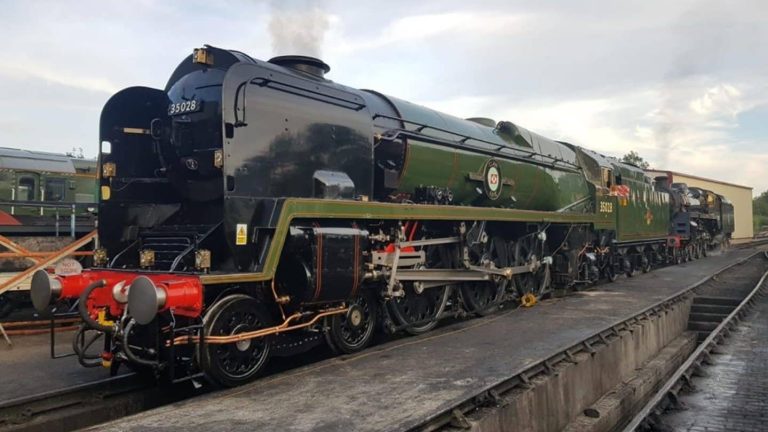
(606, 207)
(184, 107)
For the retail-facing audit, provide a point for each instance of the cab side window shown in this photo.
(54, 189)
(25, 190)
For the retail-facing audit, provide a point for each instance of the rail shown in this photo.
(87, 404)
(696, 358)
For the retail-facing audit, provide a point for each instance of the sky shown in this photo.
(682, 82)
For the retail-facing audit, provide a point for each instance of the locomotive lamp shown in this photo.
(108, 169)
(106, 193)
(100, 257)
(203, 259)
(146, 258)
(202, 56)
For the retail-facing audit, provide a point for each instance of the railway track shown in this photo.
(456, 418)
(714, 318)
(87, 404)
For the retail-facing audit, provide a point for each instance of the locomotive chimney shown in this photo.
(308, 65)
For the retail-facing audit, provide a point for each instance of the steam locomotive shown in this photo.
(254, 209)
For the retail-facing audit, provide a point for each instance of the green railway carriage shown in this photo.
(250, 198)
(36, 186)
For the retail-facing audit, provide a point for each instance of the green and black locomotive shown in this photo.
(254, 209)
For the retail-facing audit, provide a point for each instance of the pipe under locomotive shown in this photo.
(254, 209)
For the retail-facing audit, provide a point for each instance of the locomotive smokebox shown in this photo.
(306, 64)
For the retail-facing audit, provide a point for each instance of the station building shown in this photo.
(740, 196)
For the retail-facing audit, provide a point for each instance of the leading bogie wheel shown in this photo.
(235, 363)
(353, 331)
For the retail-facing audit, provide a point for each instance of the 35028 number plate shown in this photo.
(184, 107)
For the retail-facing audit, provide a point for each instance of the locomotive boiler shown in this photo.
(253, 209)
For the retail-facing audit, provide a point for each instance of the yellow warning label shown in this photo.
(241, 237)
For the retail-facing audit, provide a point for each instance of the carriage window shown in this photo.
(26, 189)
(54, 189)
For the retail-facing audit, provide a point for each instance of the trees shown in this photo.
(635, 159)
(760, 211)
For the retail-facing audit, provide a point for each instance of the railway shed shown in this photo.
(739, 195)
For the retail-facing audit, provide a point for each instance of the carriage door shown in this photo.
(54, 191)
(26, 190)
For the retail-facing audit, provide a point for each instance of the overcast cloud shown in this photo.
(681, 82)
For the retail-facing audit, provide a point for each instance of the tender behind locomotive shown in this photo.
(256, 208)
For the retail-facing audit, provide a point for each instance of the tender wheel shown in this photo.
(646, 263)
(236, 363)
(353, 331)
(629, 267)
(678, 256)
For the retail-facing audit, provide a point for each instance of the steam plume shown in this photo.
(297, 27)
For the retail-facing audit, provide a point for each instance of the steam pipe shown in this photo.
(82, 306)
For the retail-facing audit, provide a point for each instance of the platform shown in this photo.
(733, 396)
(396, 386)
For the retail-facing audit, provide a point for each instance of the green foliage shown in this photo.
(760, 211)
(635, 159)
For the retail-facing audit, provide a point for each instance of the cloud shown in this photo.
(689, 130)
(45, 73)
(410, 29)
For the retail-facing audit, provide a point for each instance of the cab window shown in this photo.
(54, 189)
(25, 190)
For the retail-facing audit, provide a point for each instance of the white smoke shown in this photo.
(298, 27)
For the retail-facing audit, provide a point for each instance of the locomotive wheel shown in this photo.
(6, 305)
(420, 308)
(609, 270)
(236, 363)
(525, 284)
(482, 298)
(646, 261)
(353, 331)
(419, 311)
